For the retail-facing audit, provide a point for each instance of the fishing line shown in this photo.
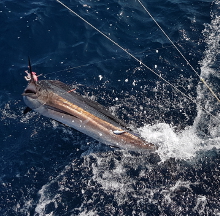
(201, 79)
(84, 65)
(111, 59)
(141, 63)
(67, 69)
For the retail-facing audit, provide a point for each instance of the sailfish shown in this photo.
(55, 100)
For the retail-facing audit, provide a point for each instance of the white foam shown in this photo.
(172, 144)
(200, 204)
(46, 197)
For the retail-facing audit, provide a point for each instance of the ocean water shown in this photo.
(49, 169)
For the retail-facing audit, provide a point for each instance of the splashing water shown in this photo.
(180, 145)
(204, 133)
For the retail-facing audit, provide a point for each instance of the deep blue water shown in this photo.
(49, 169)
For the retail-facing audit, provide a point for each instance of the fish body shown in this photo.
(52, 98)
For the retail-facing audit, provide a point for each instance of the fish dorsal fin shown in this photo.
(60, 84)
(65, 87)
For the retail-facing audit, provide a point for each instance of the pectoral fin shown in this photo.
(59, 110)
(26, 110)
